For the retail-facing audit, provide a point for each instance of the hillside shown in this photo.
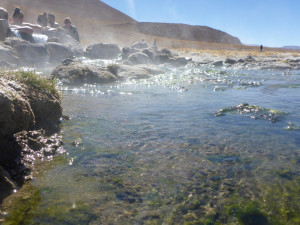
(98, 22)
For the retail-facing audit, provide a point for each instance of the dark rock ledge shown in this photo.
(30, 111)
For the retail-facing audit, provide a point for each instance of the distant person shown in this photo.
(4, 27)
(70, 29)
(42, 20)
(154, 45)
(261, 48)
(51, 21)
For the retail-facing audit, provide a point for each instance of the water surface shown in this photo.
(154, 152)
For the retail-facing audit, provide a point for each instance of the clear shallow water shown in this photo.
(153, 152)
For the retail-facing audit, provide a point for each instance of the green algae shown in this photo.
(61, 212)
(292, 126)
(254, 112)
(24, 208)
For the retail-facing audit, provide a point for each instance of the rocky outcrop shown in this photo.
(17, 52)
(75, 72)
(26, 107)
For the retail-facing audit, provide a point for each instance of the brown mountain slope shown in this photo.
(187, 32)
(98, 22)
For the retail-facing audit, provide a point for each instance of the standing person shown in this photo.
(4, 27)
(70, 29)
(261, 48)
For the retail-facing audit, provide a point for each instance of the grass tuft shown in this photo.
(31, 78)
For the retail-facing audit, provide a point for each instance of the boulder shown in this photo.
(140, 45)
(58, 52)
(149, 52)
(178, 62)
(138, 58)
(126, 52)
(46, 108)
(26, 103)
(218, 64)
(32, 54)
(25, 107)
(73, 72)
(102, 51)
(8, 55)
(137, 72)
(161, 59)
(15, 111)
(230, 61)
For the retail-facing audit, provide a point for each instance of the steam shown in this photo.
(131, 5)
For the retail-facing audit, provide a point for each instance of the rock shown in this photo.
(138, 71)
(126, 52)
(138, 58)
(140, 45)
(230, 61)
(46, 108)
(250, 59)
(13, 41)
(5, 64)
(15, 111)
(178, 62)
(76, 73)
(23, 53)
(6, 183)
(218, 64)
(102, 51)
(24, 105)
(166, 51)
(32, 54)
(161, 59)
(7, 55)
(58, 52)
(149, 52)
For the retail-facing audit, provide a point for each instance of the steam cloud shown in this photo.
(131, 5)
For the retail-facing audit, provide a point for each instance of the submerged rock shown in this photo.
(254, 112)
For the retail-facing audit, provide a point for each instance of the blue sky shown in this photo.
(273, 23)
